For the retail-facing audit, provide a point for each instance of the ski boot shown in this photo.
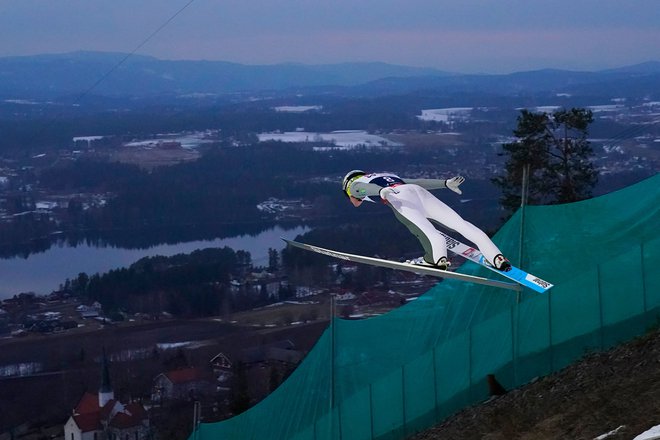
(442, 263)
(501, 263)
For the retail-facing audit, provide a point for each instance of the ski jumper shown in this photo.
(416, 207)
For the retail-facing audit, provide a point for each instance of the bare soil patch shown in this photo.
(602, 392)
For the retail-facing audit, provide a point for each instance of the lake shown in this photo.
(44, 272)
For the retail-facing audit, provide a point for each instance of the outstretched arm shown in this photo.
(428, 183)
(431, 184)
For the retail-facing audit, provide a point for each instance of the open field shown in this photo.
(150, 158)
(283, 314)
(424, 141)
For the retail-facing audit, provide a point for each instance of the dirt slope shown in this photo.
(599, 394)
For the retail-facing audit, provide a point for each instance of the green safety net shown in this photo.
(391, 376)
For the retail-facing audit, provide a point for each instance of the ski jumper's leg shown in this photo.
(443, 214)
(409, 210)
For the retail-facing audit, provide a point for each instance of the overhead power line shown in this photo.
(131, 53)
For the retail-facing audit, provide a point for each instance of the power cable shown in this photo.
(128, 55)
(630, 132)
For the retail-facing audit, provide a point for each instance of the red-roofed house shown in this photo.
(182, 384)
(101, 417)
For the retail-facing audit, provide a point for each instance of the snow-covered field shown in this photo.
(605, 108)
(343, 139)
(21, 101)
(186, 140)
(546, 108)
(297, 108)
(593, 108)
(87, 138)
(445, 114)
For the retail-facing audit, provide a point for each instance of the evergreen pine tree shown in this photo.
(555, 148)
(273, 260)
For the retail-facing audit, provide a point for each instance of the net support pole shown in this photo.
(371, 409)
(403, 400)
(196, 417)
(514, 342)
(601, 321)
(523, 202)
(332, 365)
(643, 273)
(435, 386)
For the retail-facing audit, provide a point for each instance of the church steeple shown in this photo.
(106, 393)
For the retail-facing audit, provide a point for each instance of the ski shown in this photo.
(515, 274)
(415, 268)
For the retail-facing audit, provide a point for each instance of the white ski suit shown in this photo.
(415, 206)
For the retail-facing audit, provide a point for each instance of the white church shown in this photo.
(102, 417)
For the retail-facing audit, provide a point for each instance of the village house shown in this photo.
(344, 296)
(222, 370)
(305, 291)
(259, 283)
(87, 312)
(186, 383)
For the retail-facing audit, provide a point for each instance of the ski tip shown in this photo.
(293, 243)
(537, 284)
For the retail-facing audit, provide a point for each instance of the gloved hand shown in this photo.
(387, 191)
(453, 184)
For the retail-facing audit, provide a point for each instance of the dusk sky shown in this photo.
(468, 36)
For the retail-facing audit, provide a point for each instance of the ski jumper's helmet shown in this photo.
(348, 177)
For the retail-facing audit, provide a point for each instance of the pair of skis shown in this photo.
(520, 277)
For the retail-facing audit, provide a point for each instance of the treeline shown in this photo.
(195, 284)
(221, 189)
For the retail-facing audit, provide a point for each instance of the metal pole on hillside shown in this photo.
(196, 416)
(523, 202)
(332, 365)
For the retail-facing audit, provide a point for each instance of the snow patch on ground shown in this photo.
(297, 108)
(445, 114)
(344, 139)
(611, 433)
(651, 434)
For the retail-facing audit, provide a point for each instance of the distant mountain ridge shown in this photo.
(75, 72)
(70, 74)
(636, 80)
